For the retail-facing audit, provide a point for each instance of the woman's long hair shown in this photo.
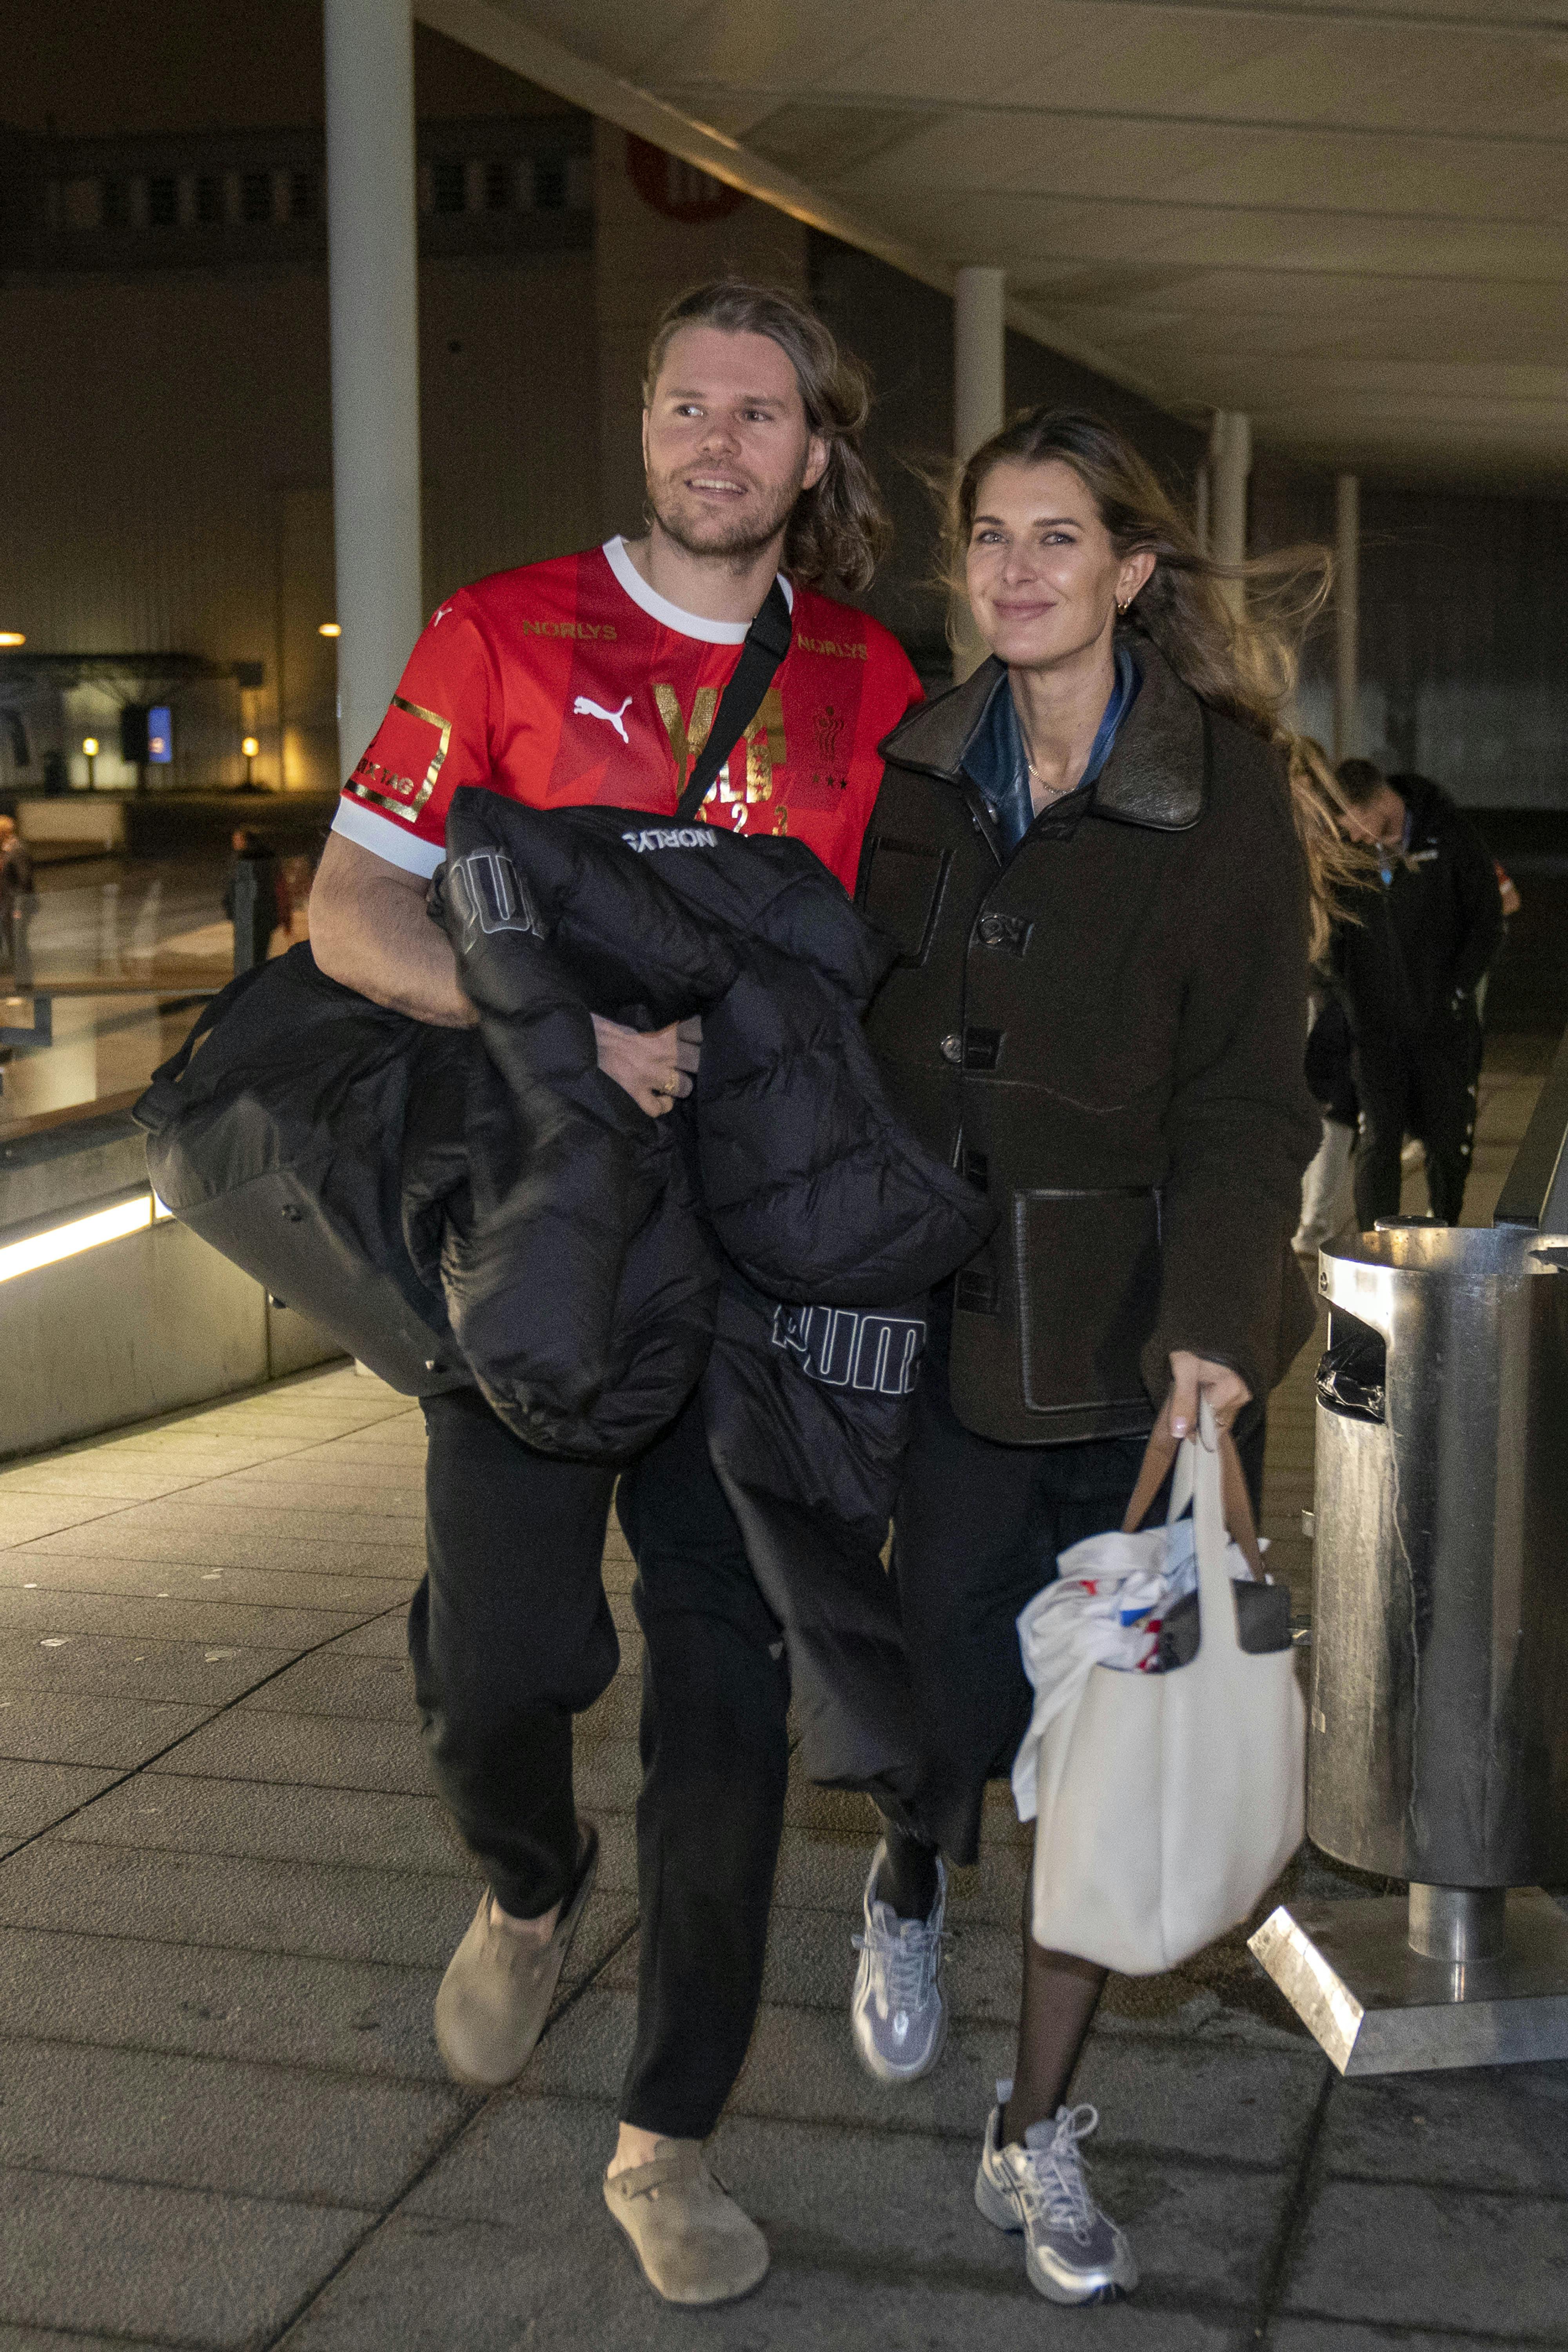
(839, 530)
(1241, 659)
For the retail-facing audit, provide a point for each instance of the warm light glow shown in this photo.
(81, 1233)
(89, 745)
(330, 629)
(251, 746)
(12, 637)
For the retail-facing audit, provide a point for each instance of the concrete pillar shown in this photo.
(1347, 615)
(376, 354)
(979, 358)
(1230, 464)
(979, 407)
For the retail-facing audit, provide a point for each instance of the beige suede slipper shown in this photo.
(692, 2240)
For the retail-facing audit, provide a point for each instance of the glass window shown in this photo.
(302, 195)
(162, 201)
(498, 188)
(209, 197)
(449, 184)
(256, 196)
(116, 204)
(550, 186)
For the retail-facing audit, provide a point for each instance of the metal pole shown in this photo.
(1347, 615)
(979, 406)
(376, 354)
(1230, 464)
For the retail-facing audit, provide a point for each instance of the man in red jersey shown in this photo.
(594, 678)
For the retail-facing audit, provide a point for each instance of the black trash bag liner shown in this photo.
(1352, 1374)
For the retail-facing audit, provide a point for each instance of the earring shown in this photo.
(1121, 605)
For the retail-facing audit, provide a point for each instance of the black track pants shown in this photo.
(511, 1635)
(1429, 1090)
(715, 1759)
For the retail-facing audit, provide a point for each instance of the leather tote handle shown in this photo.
(767, 642)
(1159, 1453)
(1158, 1456)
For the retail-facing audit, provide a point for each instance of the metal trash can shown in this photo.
(1439, 1741)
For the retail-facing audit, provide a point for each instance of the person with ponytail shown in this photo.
(1104, 872)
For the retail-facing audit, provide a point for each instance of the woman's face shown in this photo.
(1044, 579)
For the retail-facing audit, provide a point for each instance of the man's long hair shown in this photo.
(1241, 662)
(839, 530)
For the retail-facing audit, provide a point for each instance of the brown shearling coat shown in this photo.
(1105, 1031)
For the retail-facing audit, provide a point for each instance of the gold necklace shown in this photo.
(1051, 792)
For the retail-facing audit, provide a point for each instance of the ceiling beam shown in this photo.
(508, 40)
(1311, 15)
(775, 95)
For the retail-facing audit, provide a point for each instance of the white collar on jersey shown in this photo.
(689, 625)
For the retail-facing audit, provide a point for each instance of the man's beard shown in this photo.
(700, 531)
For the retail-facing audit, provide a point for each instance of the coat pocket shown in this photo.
(901, 893)
(1087, 1271)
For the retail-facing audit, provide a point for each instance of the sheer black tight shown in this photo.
(1060, 1995)
(908, 1876)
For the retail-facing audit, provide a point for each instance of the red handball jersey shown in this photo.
(573, 681)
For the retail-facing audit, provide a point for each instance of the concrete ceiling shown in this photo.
(1348, 220)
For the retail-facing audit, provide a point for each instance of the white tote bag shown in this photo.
(1168, 1803)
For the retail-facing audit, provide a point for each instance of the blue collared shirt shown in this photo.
(999, 765)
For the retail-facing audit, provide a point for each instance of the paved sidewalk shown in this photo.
(227, 1899)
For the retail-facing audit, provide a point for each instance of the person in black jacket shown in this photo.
(250, 898)
(1091, 857)
(1418, 941)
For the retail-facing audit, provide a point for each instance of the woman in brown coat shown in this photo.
(1101, 871)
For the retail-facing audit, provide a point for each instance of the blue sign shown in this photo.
(160, 736)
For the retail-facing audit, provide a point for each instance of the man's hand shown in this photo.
(655, 1066)
(1225, 1391)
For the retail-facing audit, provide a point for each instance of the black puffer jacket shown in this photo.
(581, 1264)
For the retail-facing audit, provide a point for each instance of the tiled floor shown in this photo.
(227, 1899)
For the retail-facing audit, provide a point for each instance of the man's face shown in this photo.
(726, 442)
(1381, 822)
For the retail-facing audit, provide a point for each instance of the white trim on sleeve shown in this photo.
(385, 839)
(689, 625)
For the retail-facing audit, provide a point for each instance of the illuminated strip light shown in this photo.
(82, 1233)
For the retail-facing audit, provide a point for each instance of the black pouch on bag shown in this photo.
(1262, 1623)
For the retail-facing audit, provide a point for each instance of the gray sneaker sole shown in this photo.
(1000, 2212)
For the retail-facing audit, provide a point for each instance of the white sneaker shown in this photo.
(898, 2014)
(1073, 2251)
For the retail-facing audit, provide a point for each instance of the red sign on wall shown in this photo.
(676, 188)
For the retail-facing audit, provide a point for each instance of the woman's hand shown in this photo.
(655, 1066)
(1190, 1375)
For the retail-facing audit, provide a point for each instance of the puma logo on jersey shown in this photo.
(585, 707)
(437, 617)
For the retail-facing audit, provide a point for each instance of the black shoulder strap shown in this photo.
(767, 642)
